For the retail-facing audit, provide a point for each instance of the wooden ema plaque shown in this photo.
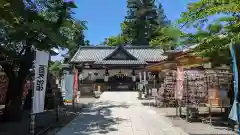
(214, 97)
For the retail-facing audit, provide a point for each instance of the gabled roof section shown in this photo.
(120, 53)
(99, 53)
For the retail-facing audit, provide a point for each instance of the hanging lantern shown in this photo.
(133, 75)
(80, 77)
(106, 72)
(134, 78)
(105, 78)
(133, 72)
(96, 73)
(106, 75)
(140, 76)
(90, 76)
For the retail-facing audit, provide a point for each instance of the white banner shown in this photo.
(41, 68)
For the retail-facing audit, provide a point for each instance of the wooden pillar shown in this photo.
(140, 76)
(134, 79)
(80, 71)
(144, 76)
(106, 78)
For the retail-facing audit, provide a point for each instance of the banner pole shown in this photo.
(73, 97)
(32, 124)
(238, 115)
(32, 121)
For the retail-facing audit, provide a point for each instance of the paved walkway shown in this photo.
(120, 113)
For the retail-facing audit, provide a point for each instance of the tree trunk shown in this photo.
(13, 104)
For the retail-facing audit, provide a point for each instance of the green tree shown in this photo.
(120, 39)
(225, 29)
(43, 24)
(167, 38)
(55, 68)
(143, 18)
(115, 40)
(78, 41)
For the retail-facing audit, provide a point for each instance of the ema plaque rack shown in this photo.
(194, 92)
(218, 83)
(194, 87)
(168, 99)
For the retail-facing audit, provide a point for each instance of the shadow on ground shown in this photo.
(45, 123)
(97, 119)
(197, 127)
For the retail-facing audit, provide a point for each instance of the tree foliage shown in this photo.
(215, 39)
(167, 38)
(141, 25)
(143, 18)
(120, 39)
(78, 41)
(115, 40)
(44, 24)
(55, 68)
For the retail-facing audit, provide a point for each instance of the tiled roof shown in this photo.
(122, 62)
(189, 48)
(183, 49)
(98, 53)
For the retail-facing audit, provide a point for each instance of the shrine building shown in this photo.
(116, 68)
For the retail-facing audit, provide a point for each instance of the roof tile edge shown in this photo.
(113, 47)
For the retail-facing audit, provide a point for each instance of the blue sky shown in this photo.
(104, 16)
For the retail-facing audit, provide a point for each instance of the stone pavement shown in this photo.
(120, 113)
